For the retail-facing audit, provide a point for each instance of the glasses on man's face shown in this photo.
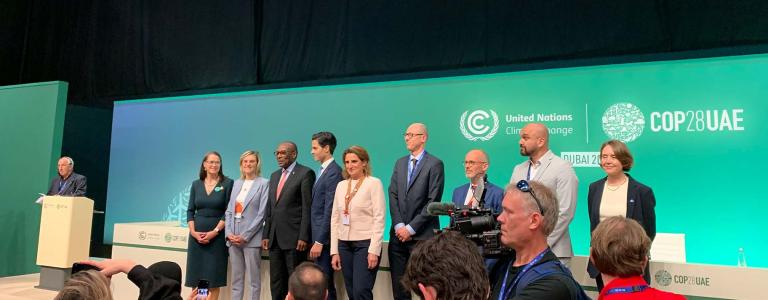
(473, 163)
(525, 187)
(411, 135)
(282, 152)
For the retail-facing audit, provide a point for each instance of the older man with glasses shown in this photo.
(478, 188)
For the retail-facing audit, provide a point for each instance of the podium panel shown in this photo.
(65, 231)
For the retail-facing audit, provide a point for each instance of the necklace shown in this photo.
(615, 187)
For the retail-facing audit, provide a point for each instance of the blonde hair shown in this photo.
(86, 285)
(258, 162)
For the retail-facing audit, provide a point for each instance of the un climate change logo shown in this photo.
(474, 127)
(663, 278)
(623, 121)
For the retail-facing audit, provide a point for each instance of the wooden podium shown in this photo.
(65, 238)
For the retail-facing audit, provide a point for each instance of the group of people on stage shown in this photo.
(335, 216)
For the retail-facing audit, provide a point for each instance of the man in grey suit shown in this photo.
(417, 180)
(68, 183)
(558, 175)
(287, 222)
(323, 192)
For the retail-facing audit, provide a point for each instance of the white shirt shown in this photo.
(614, 201)
(471, 197)
(323, 166)
(247, 184)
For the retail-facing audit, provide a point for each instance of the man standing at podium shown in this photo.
(68, 183)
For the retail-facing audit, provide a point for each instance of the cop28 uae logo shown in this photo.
(623, 121)
(663, 278)
(474, 125)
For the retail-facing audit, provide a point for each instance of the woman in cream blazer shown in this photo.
(357, 224)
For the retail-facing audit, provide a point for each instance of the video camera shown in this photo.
(476, 224)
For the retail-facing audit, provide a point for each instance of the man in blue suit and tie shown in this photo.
(417, 180)
(323, 192)
(476, 165)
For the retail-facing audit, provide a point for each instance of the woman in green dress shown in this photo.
(207, 248)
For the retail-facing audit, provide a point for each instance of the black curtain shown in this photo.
(110, 49)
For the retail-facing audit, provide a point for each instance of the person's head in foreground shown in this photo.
(620, 251)
(447, 267)
(307, 283)
(86, 285)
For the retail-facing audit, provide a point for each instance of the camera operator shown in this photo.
(529, 213)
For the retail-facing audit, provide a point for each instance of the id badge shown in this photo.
(345, 219)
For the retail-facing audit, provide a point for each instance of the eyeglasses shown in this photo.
(525, 187)
(282, 152)
(213, 162)
(472, 162)
(410, 135)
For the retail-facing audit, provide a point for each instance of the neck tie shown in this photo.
(280, 184)
(319, 173)
(413, 170)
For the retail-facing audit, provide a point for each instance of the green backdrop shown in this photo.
(31, 122)
(693, 125)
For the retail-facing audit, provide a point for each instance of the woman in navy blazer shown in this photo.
(244, 225)
(620, 194)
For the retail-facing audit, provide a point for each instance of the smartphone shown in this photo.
(202, 289)
(78, 267)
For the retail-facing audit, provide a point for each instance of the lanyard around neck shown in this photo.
(519, 275)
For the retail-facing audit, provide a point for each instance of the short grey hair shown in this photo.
(69, 160)
(547, 200)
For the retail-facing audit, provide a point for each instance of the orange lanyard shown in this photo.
(351, 193)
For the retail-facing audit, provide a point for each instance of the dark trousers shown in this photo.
(324, 262)
(399, 253)
(358, 279)
(281, 265)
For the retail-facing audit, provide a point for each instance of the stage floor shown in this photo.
(23, 287)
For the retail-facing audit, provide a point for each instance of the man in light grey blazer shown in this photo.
(557, 174)
(244, 224)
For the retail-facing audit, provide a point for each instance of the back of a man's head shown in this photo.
(451, 265)
(307, 283)
(86, 285)
(620, 247)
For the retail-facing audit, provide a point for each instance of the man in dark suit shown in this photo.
(323, 144)
(68, 183)
(287, 224)
(417, 180)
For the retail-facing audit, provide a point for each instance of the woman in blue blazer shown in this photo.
(244, 222)
(618, 194)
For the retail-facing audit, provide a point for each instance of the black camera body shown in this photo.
(479, 225)
(476, 224)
